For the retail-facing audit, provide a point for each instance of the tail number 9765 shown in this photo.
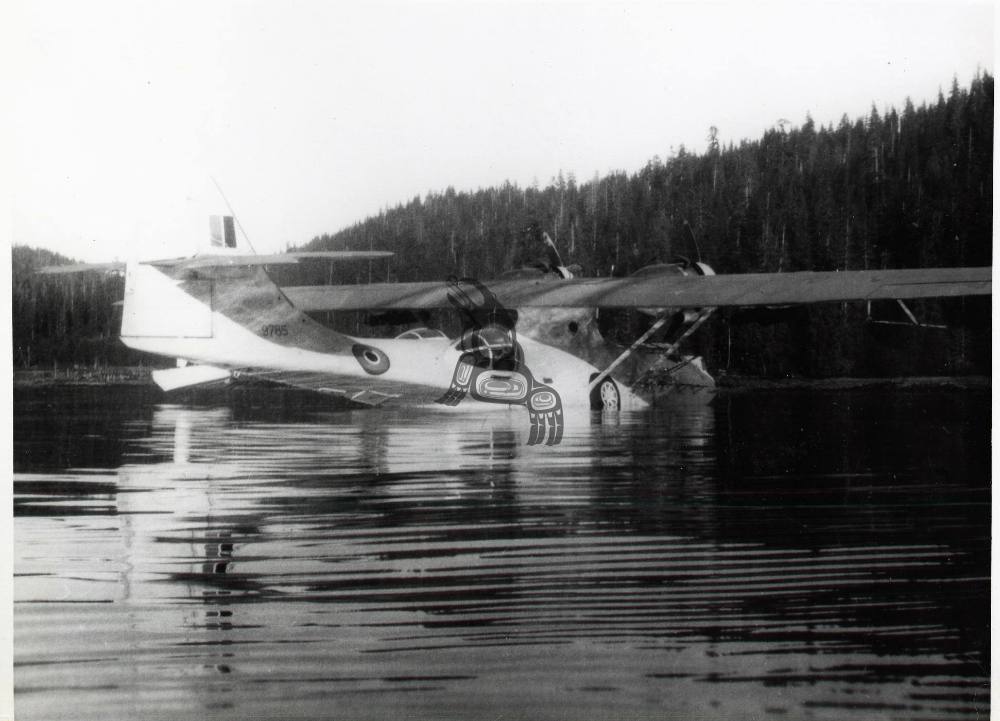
(274, 330)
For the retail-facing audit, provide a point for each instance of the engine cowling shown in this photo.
(682, 318)
(704, 268)
(682, 267)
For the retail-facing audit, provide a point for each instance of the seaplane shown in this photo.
(530, 338)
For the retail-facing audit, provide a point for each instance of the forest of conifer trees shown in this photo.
(891, 190)
(905, 189)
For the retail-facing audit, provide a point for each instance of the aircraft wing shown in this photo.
(664, 291)
(346, 387)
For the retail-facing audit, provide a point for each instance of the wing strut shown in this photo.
(644, 337)
(909, 314)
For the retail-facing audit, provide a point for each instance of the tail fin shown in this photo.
(156, 307)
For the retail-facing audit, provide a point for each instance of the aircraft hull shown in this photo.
(242, 322)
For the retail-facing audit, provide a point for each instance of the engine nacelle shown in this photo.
(683, 268)
(683, 317)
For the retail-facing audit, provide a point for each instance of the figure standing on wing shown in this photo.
(491, 368)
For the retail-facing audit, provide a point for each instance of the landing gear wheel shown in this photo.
(605, 396)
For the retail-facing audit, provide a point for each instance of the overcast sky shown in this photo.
(313, 115)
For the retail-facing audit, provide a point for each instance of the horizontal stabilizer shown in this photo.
(172, 379)
(82, 268)
(226, 261)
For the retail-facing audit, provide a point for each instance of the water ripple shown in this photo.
(759, 555)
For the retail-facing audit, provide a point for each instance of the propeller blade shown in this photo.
(555, 260)
(550, 248)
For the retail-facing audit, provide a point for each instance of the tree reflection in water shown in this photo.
(752, 554)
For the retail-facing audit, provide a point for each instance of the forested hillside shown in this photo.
(896, 189)
(892, 190)
(65, 320)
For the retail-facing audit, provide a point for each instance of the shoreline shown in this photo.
(748, 383)
(142, 376)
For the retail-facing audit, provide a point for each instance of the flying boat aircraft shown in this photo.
(529, 338)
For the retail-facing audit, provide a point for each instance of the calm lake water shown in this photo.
(767, 554)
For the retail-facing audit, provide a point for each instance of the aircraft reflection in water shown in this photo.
(259, 561)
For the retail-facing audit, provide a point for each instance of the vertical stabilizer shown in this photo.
(156, 307)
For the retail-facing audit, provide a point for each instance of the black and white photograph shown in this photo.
(501, 359)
